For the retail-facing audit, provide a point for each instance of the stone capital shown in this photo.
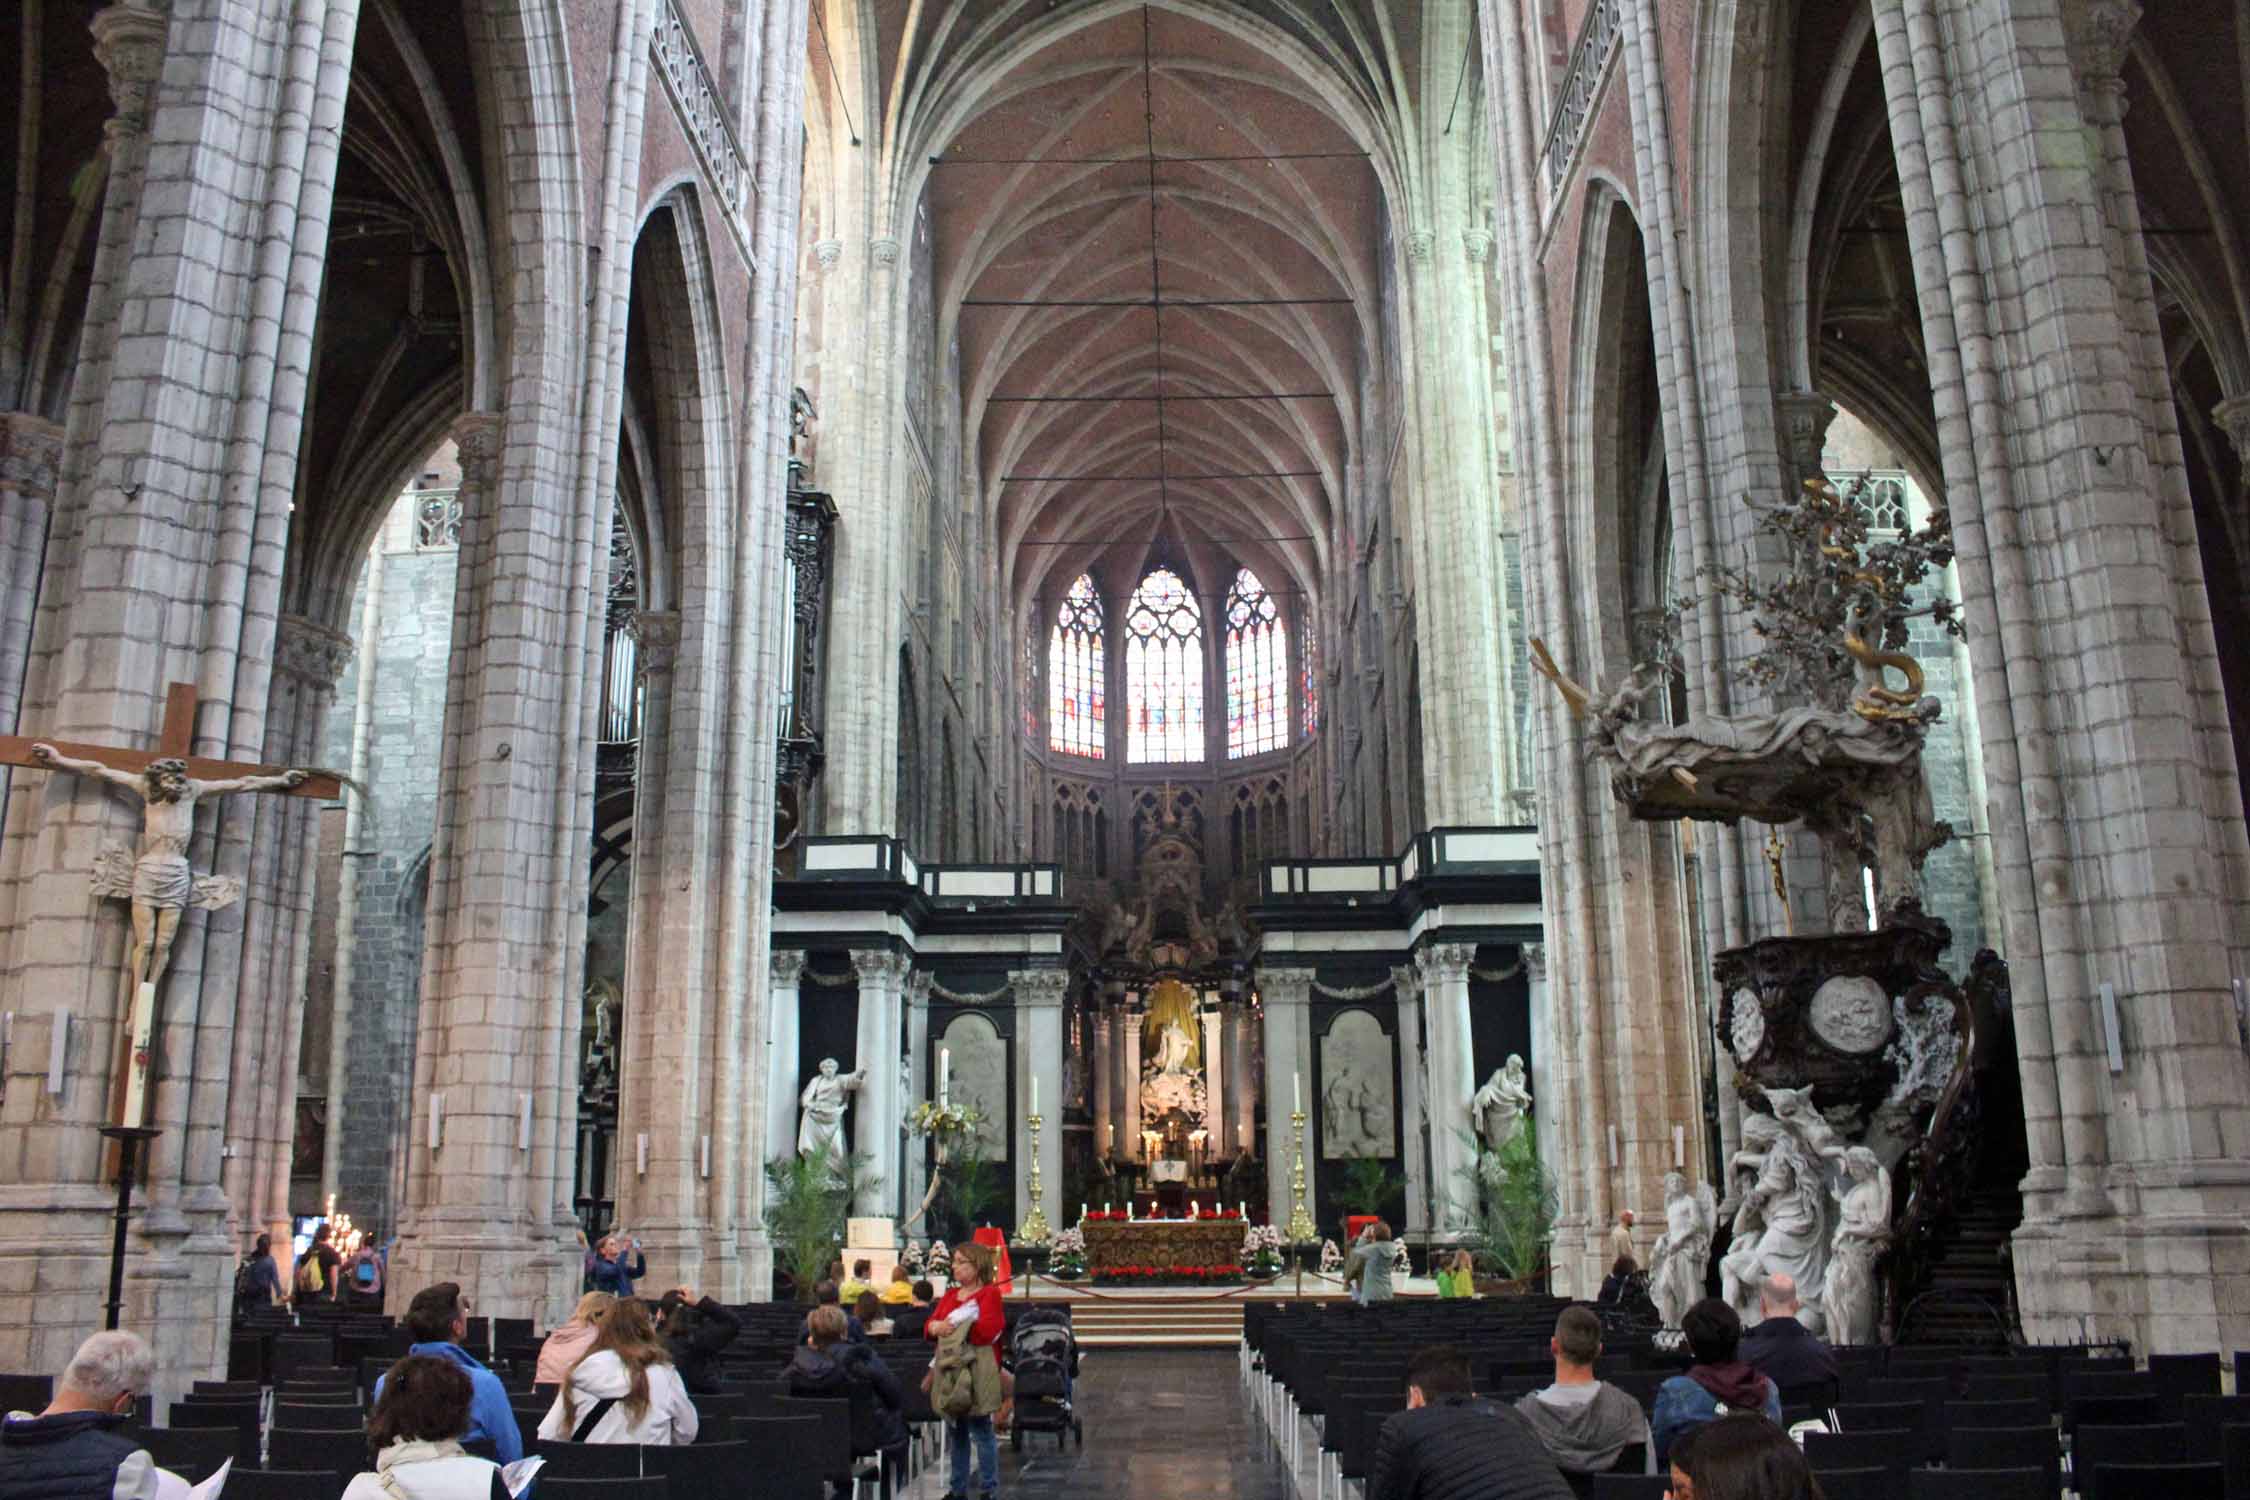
(1420, 245)
(1446, 963)
(918, 986)
(881, 967)
(885, 251)
(2233, 418)
(30, 453)
(1535, 962)
(1478, 243)
(826, 253)
(129, 43)
(1408, 981)
(786, 967)
(310, 652)
(1039, 989)
(2101, 36)
(657, 633)
(1277, 986)
(1803, 418)
(477, 435)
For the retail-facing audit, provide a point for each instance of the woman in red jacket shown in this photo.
(972, 1299)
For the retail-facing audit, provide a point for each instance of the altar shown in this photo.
(1114, 1243)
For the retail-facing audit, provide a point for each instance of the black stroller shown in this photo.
(1043, 1353)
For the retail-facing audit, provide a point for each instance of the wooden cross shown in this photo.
(134, 1067)
(172, 741)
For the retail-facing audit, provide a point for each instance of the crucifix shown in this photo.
(156, 879)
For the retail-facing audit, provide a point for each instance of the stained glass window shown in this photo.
(1163, 672)
(1257, 670)
(1076, 710)
(1308, 648)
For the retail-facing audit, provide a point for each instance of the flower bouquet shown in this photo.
(1066, 1258)
(950, 1127)
(1261, 1250)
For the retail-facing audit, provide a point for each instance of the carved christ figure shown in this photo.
(157, 880)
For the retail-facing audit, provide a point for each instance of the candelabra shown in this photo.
(1301, 1228)
(1034, 1229)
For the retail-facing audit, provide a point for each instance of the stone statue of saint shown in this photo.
(820, 1129)
(157, 880)
(1791, 1197)
(1676, 1264)
(1172, 1046)
(1499, 1107)
(1863, 1228)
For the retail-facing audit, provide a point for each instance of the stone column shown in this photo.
(918, 1083)
(1445, 996)
(1287, 994)
(784, 1016)
(2233, 418)
(1105, 1081)
(1242, 1099)
(1413, 1108)
(1038, 1055)
(1215, 1095)
(1129, 1084)
(879, 1107)
(30, 459)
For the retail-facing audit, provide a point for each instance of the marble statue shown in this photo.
(1863, 1228)
(156, 880)
(820, 1129)
(1172, 1047)
(1676, 1263)
(1739, 1272)
(1402, 1261)
(1499, 1107)
(1791, 1197)
(1331, 1258)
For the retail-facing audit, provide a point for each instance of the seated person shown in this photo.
(1585, 1423)
(1618, 1282)
(1450, 1445)
(909, 1321)
(415, 1431)
(900, 1292)
(81, 1435)
(1783, 1349)
(624, 1390)
(863, 1272)
(870, 1312)
(1740, 1455)
(828, 1294)
(1716, 1384)
(438, 1317)
(830, 1364)
(573, 1338)
(694, 1331)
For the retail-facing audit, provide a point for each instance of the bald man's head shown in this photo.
(1777, 1296)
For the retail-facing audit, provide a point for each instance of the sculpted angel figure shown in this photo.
(156, 880)
(1675, 1275)
(1863, 1228)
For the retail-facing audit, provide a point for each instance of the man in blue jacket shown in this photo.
(438, 1317)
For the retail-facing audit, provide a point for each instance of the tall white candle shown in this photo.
(1297, 1092)
(944, 1076)
(1035, 1093)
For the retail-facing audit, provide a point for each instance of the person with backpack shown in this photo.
(363, 1275)
(257, 1281)
(321, 1269)
(964, 1378)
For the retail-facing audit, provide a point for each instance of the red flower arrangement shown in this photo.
(1219, 1275)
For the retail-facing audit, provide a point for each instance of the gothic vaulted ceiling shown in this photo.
(1159, 238)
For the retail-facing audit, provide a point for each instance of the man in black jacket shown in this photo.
(1449, 1445)
(77, 1446)
(1783, 1349)
(694, 1331)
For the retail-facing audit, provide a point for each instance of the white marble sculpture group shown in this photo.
(1805, 1203)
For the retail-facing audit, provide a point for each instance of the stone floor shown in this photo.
(1159, 1423)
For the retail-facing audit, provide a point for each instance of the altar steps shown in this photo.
(1156, 1323)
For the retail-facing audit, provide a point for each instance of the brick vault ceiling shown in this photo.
(1135, 210)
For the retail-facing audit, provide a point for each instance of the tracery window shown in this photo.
(1163, 672)
(1076, 707)
(1257, 670)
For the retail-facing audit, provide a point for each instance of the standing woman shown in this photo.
(972, 1303)
(1370, 1267)
(607, 1268)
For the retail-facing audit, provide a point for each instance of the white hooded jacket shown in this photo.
(669, 1421)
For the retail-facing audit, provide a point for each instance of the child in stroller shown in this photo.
(1044, 1355)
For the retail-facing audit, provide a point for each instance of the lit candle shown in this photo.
(1297, 1092)
(1191, 1208)
(1035, 1093)
(1242, 1209)
(944, 1075)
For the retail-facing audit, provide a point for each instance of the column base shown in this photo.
(2173, 1283)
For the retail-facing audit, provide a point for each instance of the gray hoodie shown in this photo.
(1585, 1427)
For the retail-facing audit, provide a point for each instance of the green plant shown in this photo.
(1367, 1186)
(807, 1202)
(1511, 1199)
(972, 1186)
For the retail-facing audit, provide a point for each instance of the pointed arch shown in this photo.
(1077, 690)
(1257, 666)
(1163, 671)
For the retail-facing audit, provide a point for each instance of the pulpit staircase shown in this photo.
(1950, 1281)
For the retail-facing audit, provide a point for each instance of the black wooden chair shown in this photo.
(1894, 1450)
(26, 1392)
(2171, 1481)
(2096, 1448)
(647, 1487)
(2032, 1446)
(1631, 1486)
(1863, 1484)
(238, 1417)
(283, 1484)
(1976, 1484)
(570, 1460)
(341, 1449)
